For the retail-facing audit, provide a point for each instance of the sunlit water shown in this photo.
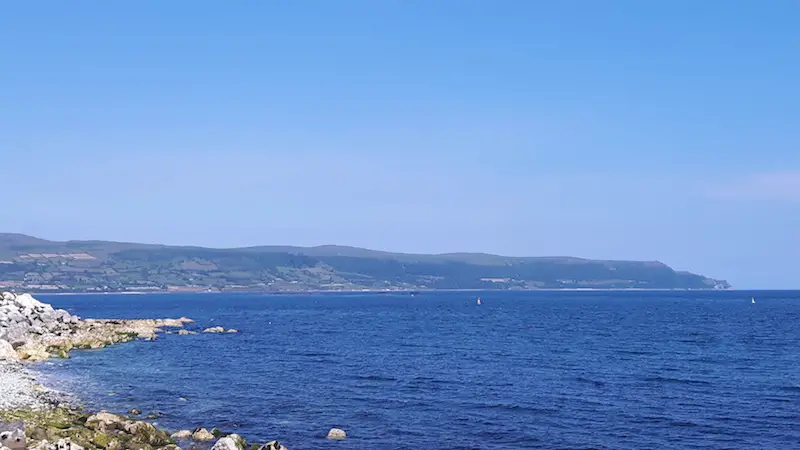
(616, 370)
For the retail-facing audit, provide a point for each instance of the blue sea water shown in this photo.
(560, 370)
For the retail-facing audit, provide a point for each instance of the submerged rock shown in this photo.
(214, 330)
(337, 434)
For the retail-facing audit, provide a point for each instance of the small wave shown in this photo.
(375, 378)
(430, 380)
(649, 420)
(705, 360)
(683, 424)
(634, 352)
(789, 388)
(596, 383)
(670, 380)
(526, 442)
(412, 345)
(312, 354)
(515, 407)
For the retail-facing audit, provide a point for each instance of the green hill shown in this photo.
(29, 263)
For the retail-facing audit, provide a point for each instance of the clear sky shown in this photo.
(657, 130)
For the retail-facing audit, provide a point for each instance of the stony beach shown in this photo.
(32, 331)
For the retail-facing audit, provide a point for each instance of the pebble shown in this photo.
(20, 389)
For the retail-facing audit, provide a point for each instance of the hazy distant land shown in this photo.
(31, 264)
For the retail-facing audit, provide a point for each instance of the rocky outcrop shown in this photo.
(37, 331)
(23, 318)
(66, 428)
(33, 331)
(50, 429)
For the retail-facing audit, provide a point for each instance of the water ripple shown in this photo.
(626, 370)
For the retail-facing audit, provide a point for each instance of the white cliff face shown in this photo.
(22, 318)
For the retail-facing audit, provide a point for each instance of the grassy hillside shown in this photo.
(35, 264)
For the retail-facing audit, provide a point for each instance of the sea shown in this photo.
(541, 370)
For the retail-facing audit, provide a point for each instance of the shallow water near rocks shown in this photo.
(616, 370)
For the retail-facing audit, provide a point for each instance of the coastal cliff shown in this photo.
(45, 419)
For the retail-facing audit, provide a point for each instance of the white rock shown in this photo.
(182, 434)
(202, 435)
(12, 436)
(232, 442)
(337, 434)
(7, 352)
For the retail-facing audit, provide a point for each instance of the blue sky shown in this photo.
(623, 130)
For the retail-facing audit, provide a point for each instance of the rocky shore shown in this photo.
(33, 331)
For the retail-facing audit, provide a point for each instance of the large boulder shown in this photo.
(202, 434)
(273, 445)
(33, 352)
(231, 442)
(147, 433)
(105, 422)
(182, 434)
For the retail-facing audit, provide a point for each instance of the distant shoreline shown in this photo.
(398, 291)
(45, 267)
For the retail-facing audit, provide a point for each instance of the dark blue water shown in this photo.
(625, 370)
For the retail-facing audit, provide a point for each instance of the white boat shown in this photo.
(479, 301)
(753, 300)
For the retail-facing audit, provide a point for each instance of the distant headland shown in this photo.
(32, 264)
